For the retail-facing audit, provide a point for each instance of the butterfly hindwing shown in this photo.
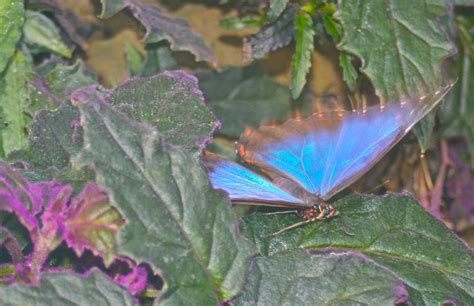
(243, 185)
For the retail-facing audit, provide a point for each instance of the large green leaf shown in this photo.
(175, 220)
(304, 44)
(244, 97)
(172, 102)
(395, 232)
(66, 288)
(11, 20)
(400, 43)
(298, 277)
(13, 101)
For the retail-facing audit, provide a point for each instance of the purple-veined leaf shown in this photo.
(135, 281)
(159, 26)
(91, 222)
(272, 36)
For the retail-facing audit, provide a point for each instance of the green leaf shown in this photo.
(158, 58)
(172, 102)
(134, 59)
(159, 27)
(11, 21)
(13, 100)
(298, 277)
(424, 129)
(244, 97)
(304, 44)
(393, 231)
(175, 220)
(66, 288)
(40, 31)
(276, 8)
(349, 73)
(401, 49)
(55, 81)
(240, 23)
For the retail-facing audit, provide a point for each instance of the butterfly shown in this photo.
(306, 162)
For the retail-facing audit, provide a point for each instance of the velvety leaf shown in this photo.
(158, 58)
(176, 221)
(160, 26)
(172, 102)
(67, 288)
(134, 59)
(92, 223)
(54, 81)
(401, 49)
(272, 36)
(244, 97)
(240, 23)
(13, 99)
(298, 277)
(424, 129)
(304, 44)
(54, 136)
(40, 31)
(276, 8)
(393, 231)
(11, 21)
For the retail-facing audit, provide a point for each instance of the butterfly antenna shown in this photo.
(291, 227)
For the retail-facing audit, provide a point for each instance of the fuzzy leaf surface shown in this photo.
(11, 21)
(66, 288)
(393, 231)
(175, 220)
(172, 102)
(401, 49)
(297, 277)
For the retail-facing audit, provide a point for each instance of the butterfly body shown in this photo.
(306, 162)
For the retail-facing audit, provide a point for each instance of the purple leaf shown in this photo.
(135, 281)
(160, 26)
(91, 222)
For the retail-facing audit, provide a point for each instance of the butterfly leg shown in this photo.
(292, 227)
(284, 212)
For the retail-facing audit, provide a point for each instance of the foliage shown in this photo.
(105, 199)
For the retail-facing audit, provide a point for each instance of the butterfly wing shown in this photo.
(325, 153)
(243, 185)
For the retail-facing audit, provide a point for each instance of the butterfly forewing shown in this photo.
(327, 152)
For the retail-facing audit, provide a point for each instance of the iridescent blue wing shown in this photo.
(243, 185)
(325, 153)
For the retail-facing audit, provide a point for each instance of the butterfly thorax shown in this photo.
(319, 211)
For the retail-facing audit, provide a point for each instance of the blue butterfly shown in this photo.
(309, 161)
